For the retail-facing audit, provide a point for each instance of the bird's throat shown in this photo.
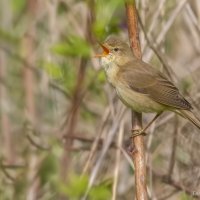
(111, 70)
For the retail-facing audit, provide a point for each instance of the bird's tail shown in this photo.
(190, 115)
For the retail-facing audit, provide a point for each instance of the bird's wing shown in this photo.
(142, 78)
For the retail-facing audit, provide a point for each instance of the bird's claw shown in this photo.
(137, 132)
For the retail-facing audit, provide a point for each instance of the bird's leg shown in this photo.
(142, 131)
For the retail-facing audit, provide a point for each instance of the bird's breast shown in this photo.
(137, 101)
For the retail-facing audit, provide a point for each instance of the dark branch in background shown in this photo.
(138, 155)
(35, 144)
(77, 97)
(4, 169)
(82, 95)
(89, 141)
(71, 121)
(32, 134)
(5, 172)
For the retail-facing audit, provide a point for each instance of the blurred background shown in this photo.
(63, 132)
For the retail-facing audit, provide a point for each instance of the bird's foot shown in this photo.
(136, 132)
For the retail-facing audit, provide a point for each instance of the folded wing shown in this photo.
(145, 79)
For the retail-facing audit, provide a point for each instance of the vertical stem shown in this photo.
(7, 141)
(138, 156)
(72, 119)
(117, 162)
(5, 125)
(28, 48)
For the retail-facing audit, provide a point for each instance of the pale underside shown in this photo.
(144, 90)
(139, 102)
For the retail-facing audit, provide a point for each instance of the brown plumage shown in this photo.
(144, 79)
(139, 85)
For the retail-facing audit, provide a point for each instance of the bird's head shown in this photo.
(115, 50)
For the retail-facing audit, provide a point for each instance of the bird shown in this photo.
(140, 86)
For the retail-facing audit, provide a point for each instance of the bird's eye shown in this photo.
(116, 49)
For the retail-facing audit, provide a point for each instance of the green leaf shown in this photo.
(76, 188)
(48, 169)
(100, 193)
(106, 21)
(75, 46)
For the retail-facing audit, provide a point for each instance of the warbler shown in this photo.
(140, 86)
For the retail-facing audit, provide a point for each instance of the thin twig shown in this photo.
(35, 144)
(118, 158)
(174, 146)
(138, 155)
(159, 55)
(193, 18)
(72, 117)
(96, 141)
(5, 172)
(168, 25)
(110, 135)
(154, 21)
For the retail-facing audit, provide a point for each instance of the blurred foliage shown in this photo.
(75, 46)
(61, 34)
(78, 185)
(8, 37)
(18, 5)
(184, 196)
(106, 23)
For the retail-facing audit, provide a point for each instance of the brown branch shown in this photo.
(7, 174)
(138, 156)
(90, 141)
(78, 94)
(29, 84)
(13, 166)
(72, 118)
(36, 145)
(96, 142)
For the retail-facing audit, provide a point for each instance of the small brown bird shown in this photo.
(139, 85)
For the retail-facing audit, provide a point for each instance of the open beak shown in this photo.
(104, 53)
